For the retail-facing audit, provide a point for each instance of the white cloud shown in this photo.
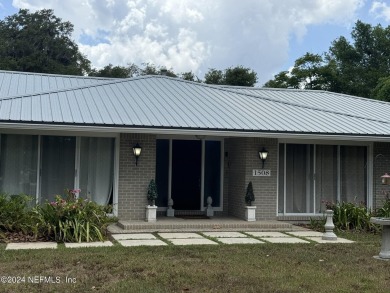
(196, 35)
(380, 10)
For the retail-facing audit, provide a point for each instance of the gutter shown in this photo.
(82, 130)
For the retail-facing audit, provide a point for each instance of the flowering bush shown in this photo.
(348, 215)
(73, 219)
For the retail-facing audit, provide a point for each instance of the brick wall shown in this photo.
(134, 180)
(243, 157)
(236, 175)
(381, 165)
(226, 178)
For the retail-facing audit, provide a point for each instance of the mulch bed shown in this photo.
(6, 237)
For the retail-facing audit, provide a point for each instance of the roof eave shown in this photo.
(99, 129)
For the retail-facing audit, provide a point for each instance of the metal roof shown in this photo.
(369, 108)
(160, 102)
(14, 83)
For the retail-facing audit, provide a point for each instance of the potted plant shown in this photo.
(151, 208)
(250, 211)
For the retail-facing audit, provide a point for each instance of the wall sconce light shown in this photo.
(385, 179)
(263, 154)
(137, 152)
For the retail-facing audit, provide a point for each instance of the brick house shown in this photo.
(197, 140)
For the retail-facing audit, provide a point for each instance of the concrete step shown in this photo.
(213, 224)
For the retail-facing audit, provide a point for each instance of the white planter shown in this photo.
(250, 213)
(151, 213)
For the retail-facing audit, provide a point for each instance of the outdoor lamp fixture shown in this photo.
(386, 179)
(263, 154)
(137, 152)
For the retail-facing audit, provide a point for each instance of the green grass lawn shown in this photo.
(210, 268)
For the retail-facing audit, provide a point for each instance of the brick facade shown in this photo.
(134, 180)
(381, 165)
(243, 158)
(240, 158)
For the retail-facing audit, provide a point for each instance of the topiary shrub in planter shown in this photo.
(152, 192)
(151, 209)
(250, 211)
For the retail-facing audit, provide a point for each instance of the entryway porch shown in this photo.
(178, 224)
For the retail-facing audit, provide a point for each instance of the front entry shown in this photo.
(186, 174)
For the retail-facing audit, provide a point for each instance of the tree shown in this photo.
(360, 65)
(214, 76)
(353, 68)
(238, 76)
(40, 42)
(281, 80)
(309, 72)
(190, 76)
(151, 69)
(382, 90)
(112, 71)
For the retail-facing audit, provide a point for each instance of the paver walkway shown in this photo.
(191, 238)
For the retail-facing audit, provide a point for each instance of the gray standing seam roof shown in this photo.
(13, 83)
(160, 102)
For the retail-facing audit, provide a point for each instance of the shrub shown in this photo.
(152, 192)
(249, 196)
(384, 211)
(351, 216)
(73, 220)
(16, 215)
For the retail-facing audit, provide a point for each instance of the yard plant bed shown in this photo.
(223, 268)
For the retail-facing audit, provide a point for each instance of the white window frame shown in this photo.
(78, 136)
(369, 191)
(203, 142)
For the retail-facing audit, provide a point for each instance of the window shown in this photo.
(310, 174)
(18, 163)
(212, 172)
(58, 165)
(162, 171)
(62, 162)
(97, 169)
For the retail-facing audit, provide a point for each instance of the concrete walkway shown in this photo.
(191, 238)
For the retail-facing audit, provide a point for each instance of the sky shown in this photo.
(187, 35)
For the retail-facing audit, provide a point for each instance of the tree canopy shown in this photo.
(39, 42)
(239, 76)
(353, 68)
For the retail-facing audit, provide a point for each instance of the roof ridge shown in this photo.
(228, 88)
(109, 81)
(119, 80)
(57, 75)
(304, 90)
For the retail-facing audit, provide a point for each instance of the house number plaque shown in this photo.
(261, 172)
